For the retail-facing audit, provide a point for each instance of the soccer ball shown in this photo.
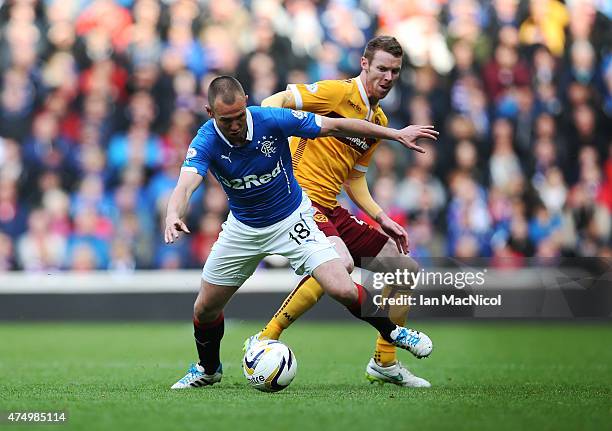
(269, 366)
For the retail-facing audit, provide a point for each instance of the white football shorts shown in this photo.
(239, 248)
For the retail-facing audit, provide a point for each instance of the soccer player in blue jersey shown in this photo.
(247, 150)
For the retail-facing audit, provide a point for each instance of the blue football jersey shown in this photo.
(257, 177)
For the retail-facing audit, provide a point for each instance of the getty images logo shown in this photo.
(249, 181)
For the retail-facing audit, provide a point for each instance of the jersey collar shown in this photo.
(249, 136)
(364, 97)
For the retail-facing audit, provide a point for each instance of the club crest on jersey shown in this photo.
(267, 147)
(300, 115)
(320, 218)
(312, 87)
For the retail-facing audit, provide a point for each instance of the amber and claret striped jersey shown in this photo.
(322, 165)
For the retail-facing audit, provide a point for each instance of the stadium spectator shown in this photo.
(91, 238)
(469, 220)
(420, 184)
(7, 257)
(13, 211)
(209, 228)
(57, 204)
(40, 249)
(504, 165)
(121, 257)
(545, 24)
(501, 75)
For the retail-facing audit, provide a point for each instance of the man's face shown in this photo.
(231, 119)
(381, 73)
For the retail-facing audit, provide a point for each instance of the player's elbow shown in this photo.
(267, 102)
(354, 187)
(348, 263)
(274, 101)
(349, 191)
(352, 183)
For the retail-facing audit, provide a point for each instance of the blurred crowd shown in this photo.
(99, 100)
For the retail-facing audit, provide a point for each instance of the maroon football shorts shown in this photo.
(361, 239)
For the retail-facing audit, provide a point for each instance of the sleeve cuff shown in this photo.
(296, 95)
(360, 168)
(189, 169)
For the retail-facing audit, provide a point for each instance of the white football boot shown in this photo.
(196, 378)
(415, 342)
(396, 374)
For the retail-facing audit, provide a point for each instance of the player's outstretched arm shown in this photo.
(360, 128)
(177, 204)
(282, 99)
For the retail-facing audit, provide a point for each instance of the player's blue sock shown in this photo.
(208, 341)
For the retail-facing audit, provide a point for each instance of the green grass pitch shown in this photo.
(485, 375)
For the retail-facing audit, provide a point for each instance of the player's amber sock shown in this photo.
(385, 353)
(304, 296)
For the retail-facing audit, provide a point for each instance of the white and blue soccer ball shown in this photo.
(269, 365)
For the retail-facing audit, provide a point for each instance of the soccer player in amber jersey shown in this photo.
(322, 166)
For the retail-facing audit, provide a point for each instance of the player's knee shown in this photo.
(390, 259)
(406, 263)
(410, 264)
(345, 255)
(389, 250)
(348, 262)
(335, 281)
(205, 312)
(344, 290)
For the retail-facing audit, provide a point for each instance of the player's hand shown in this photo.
(409, 135)
(174, 225)
(395, 231)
